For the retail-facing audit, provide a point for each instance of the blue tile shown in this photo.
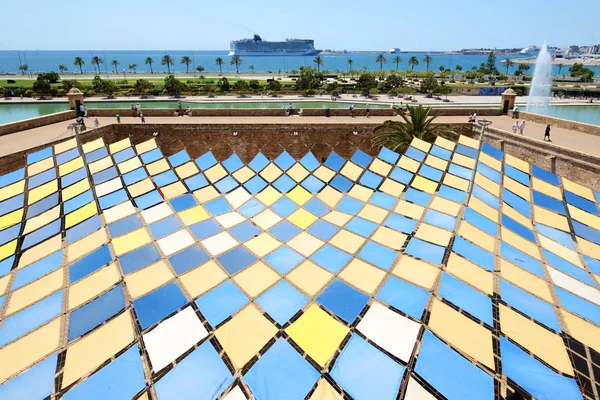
(258, 163)
(312, 184)
(568, 268)
(378, 255)
(592, 264)
(323, 230)
(283, 259)
(125, 225)
(41, 178)
(183, 202)
(236, 259)
(96, 155)
(349, 205)
(67, 156)
(284, 183)
(165, 227)
(388, 155)
(284, 207)
(284, 161)
(282, 302)
(440, 152)
(415, 154)
(467, 151)
(164, 178)
(468, 299)
(521, 259)
(580, 202)
(492, 151)
(417, 197)
(148, 200)
(105, 175)
(78, 202)
(361, 158)
(9, 234)
(369, 179)
(188, 259)
(461, 172)
(341, 183)
(39, 155)
(135, 176)
(245, 231)
(486, 197)
(331, 258)
(284, 231)
(196, 182)
(41, 234)
(361, 226)
(233, 163)
(430, 173)
(218, 304)
(206, 161)
(6, 265)
(179, 158)
(83, 229)
(559, 236)
(481, 222)
(529, 305)
(345, 301)
(517, 228)
(255, 185)
(402, 176)
(251, 208)
(425, 251)
(139, 258)
(400, 223)
(37, 270)
(516, 174)
(90, 263)
(544, 175)
(73, 177)
(519, 204)
(578, 305)
(473, 253)
(158, 304)
(548, 202)
(113, 199)
(404, 296)
(218, 207)
(35, 383)
(439, 219)
(93, 314)
(488, 172)
(16, 202)
(449, 193)
(586, 232)
(38, 207)
(383, 200)
(310, 162)
(204, 229)
(334, 162)
(316, 207)
(151, 156)
(226, 184)
(123, 155)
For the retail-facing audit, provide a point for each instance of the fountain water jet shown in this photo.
(541, 85)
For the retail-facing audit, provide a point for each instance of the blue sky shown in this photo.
(349, 24)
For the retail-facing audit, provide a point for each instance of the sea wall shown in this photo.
(36, 122)
(561, 123)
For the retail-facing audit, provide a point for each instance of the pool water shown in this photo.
(586, 114)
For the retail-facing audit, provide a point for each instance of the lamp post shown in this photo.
(484, 124)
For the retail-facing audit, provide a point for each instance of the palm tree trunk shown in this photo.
(80, 69)
(151, 68)
(397, 66)
(187, 68)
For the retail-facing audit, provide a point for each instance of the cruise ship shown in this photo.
(531, 51)
(258, 47)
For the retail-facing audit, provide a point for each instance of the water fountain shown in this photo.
(541, 85)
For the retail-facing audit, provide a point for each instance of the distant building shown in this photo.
(573, 49)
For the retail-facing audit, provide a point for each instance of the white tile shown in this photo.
(230, 219)
(266, 219)
(108, 187)
(414, 391)
(238, 197)
(175, 242)
(173, 337)
(156, 213)
(117, 212)
(393, 332)
(235, 394)
(574, 286)
(219, 243)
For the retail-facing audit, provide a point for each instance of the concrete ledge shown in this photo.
(562, 123)
(36, 122)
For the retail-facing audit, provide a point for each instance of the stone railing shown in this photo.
(562, 123)
(36, 122)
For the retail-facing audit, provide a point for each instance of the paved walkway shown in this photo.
(30, 138)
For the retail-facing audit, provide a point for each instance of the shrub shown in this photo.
(51, 77)
(254, 84)
(61, 92)
(141, 85)
(223, 84)
(274, 86)
(28, 93)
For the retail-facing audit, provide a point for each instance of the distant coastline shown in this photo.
(590, 62)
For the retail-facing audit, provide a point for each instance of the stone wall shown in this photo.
(30, 123)
(562, 123)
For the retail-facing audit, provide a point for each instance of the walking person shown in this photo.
(547, 133)
(138, 108)
(514, 111)
(133, 110)
(522, 127)
(142, 118)
(474, 117)
(85, 111)
(118, 116)
(352, 110)
(96, 123)
(368, 111)
(515, 127)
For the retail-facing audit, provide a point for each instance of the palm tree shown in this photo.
(168, 61)
(149, 61)
(560, 67)
(200, 68)
(381, 59)
(187, 61)
(62, 68)
(80, 63)
(427, 60)
(237, 61)
(442, 68)
(133, 67)
(251, 68)
(397, 60)
(319, 61)
(115, 63)
(24, 68)
(350, 62)
(413, 62)
(509, 63)
(459, 68)
(398, 135)
(219, 62)
(96, 61)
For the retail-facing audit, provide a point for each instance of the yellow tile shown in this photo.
(243, 174)
(305, 244)
(86, 245)
(244, 335)
(29, 294)
(266, 219)
(462, 333)
(141, 187)
(302, 218)
(560, 250)
(94, 349)
(487, 184)
(324, 173)
(297, 172)
(471, 273)
(40, 166)
(325, 391)
(420, 144)
(93, 145)
(92, 285)
(483, 209)
(374, 214)
(389, 237)
(147, 279)
(64, 146)
(444, 143)
(186, 170)
(424, 184)
(158, 166)
(80, 214)
(75, 189)
(193, 215)
(518, 242)
(546, 188)
(516, 162)
(490, 162)
(433, 234)
(206, 194)
(19, 355)
(477, 236)
(415, 271)
(41, 220)
(436, 162)
(11, 218)
(550, 218)
(351, 171)
(408, 164)
(362, 275)
(173, 190)
(8, 249)
(391, 187)
(129, 165)
(309, 277)
(540, 341)
(464, 161)
(318, 334)
(407, 209)
(271, 172)
(145, 146)
(256, 279)
(131, 241)
(525, 280)
(446, 206)
(467, 141)
(40, 251)
(262, 244)
(584, 217)
(100, 165)
(517, 188)
(581, 330)
(203, 278)
(588, 248)
(347, 241)
(269, 196)
(337, 218)
(4, 281)
(329, 196)
(360, 193)
(456, 182)
(299, 195)
(517, 216)
(118, 146)
(380, 167)
(578, 189)
(42, 191)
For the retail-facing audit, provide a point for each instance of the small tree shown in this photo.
(132, 67)
(319, 63)
(42, 85)
(381, 60)
(397, 60)
(240, 85)
(274, 85)
(442, 68)
(308, 80)
(23, 68)
(254, 84)
(115, 63)
(174, 86)
(62, 68)
(350, 62)
(141, 85)
(219, 62)
(149, 61)
(458, 68)
(508, 63)
(237, 61)
(444, 90)
(200, 69)
(78, 61)
(251, 68)
(186, 60)
(223, 84)
(429, 84)
(560, 67)
(490, 64)
(366, 82)
(168, 61)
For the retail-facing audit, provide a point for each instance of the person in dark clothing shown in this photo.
(547, 134)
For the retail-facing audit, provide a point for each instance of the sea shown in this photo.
(49, 60)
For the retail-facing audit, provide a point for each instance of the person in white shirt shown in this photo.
(138, 108)
(515, 127)
(514, 111)
(522, 127)
(474, 117)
